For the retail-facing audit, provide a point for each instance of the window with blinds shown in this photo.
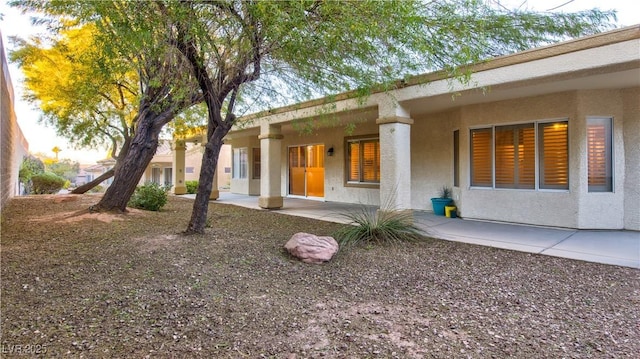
(515, 156)
(481, 157)
(554, 155)
(505, 156)
(363, 160)
(256, 163)
(599, 154)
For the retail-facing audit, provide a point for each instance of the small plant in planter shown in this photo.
(443, 199)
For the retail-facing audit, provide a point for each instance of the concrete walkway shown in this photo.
(620, 248)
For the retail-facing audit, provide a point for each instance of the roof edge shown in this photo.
(579, 44)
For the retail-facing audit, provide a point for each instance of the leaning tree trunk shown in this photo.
(130, 170)
(110, 173)
(88, 186)
(209, 164)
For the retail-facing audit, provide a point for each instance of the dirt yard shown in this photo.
(83, 285)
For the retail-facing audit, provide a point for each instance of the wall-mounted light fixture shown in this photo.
(330, 152)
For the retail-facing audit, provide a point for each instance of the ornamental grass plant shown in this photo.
(373, 226)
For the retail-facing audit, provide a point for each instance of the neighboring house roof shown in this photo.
(95, 168)
(164, 148)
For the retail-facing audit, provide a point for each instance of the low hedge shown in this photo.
(47, 183)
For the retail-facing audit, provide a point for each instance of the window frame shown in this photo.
(537, 125)
(609, 185)
(240, 163)
(492, 159)
(456, 158)
(256, 163)
(347, 161)
(540, 157)
(515, 133)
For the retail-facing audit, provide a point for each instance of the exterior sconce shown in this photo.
(330, 152)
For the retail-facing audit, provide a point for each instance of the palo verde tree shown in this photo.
(246, 52)
(127, 46)
(88, 98)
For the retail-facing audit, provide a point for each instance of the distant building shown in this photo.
(88, 173)
(161, 170)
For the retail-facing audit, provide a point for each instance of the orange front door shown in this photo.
(306, 171)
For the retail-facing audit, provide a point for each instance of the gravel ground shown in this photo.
(83, 285)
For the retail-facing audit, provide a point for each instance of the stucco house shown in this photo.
(549, 136)
(88, 173)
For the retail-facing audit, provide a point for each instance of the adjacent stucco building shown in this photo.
(549, 136)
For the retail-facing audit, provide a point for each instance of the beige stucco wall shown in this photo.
(193, 158)
(432, 156)
(631, 137)
(247, 185)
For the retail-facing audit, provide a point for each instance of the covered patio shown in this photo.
(621, 248)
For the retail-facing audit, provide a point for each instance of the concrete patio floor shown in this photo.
(620, 248)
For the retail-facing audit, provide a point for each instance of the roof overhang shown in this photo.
(604, 61)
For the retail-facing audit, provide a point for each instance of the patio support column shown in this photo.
(178, 165)
(270, 166)
(395, 157)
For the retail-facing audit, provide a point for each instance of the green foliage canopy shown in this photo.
(88, 98)
(29, 167)
(311, 48)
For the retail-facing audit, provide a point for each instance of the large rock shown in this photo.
(311, 248)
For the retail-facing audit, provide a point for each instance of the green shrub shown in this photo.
(150, 196)
(29, 167)
(47, 183)
(367, 225)
(192, 186)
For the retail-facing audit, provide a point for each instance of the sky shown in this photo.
(43, 139)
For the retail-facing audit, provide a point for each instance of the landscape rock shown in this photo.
(311, 248)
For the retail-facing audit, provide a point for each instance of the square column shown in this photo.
(395, 163)
(270, 165)
(178, 165)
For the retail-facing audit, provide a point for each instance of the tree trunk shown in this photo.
(198, 220)
(130, 170)
(88, 186)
